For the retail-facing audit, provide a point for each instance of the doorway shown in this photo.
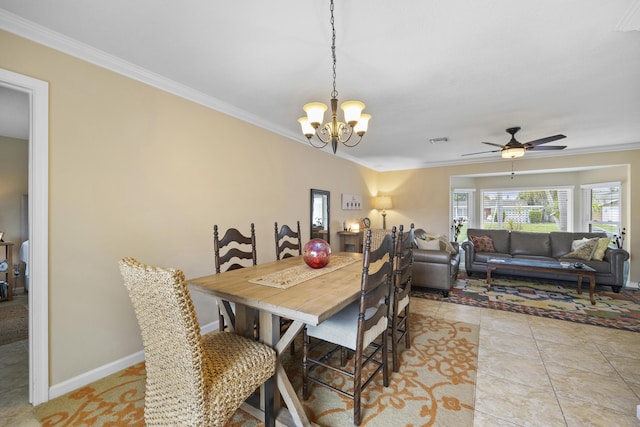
(38, 93)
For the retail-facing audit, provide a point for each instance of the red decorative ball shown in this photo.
(316, 253)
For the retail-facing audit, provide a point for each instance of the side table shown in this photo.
(350, 241)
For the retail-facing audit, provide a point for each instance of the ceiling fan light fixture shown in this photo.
(512, 152)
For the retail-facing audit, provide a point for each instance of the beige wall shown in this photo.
(14, 183)
(135, 171)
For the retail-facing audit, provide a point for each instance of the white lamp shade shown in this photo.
(307, 129)
(362, 125)
(315, 113)
(352, 111)
(512, 152)
(382, 202)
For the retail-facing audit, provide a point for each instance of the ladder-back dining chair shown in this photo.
(233, 251)
(188, 376)
(288, 242)
(360, 327)
(403, 266)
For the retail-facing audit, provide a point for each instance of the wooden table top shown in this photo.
(311, 302)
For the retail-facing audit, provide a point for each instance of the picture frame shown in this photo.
(351, 202)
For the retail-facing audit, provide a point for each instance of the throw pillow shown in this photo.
(601, 248)
(483, 243)
(583, 252)
(430, 245)
(577, 243)
(446, 245)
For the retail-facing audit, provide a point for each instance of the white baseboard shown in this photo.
(82, 380)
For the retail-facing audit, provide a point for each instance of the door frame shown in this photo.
(38, 92)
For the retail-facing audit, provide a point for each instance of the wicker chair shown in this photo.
(403, 266)
(357, 327)
(191, 380)
(288, 241)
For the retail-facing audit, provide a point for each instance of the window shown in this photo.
(528, 209)
(462, 210)
(602, 207)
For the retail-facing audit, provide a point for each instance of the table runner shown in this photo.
(295, 275)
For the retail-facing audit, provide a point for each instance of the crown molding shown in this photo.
(47, 37)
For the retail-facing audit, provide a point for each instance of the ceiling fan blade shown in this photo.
(495, 145)
(541, 141)
(481, 152)
(548, 147)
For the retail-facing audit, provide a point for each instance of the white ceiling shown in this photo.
(465, 70)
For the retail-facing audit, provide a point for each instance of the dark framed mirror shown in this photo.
(320, 212)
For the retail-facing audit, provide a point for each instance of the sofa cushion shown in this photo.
(530, 243)
(583, 251)
(601, 248)
(429, 245)
(561, 241)
(483, 243)
(500, 238)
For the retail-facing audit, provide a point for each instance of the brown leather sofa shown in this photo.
(434, 269)
(543, 246)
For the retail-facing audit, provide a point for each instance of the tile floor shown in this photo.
(532, 371)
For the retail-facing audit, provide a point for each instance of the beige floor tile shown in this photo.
(605, 390)
(526, 371)
(460, 313)
(628, 369)
(636, 388)
(481, 419)
(516, 345)
(517, 403)
(580, 414)
(497, 320)
(625, 344)
(557, 331)
(585, 357)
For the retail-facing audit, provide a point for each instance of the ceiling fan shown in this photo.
(515, 148)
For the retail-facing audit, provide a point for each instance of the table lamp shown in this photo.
(382, 203)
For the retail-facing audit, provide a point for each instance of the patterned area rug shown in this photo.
(14, 323)
(558, 301)
(435, 387)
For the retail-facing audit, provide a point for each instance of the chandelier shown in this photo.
(334, 131)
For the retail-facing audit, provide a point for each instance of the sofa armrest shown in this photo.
(469, 252)
(616, 258)
(434, 257)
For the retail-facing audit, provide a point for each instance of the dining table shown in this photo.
(288, 289)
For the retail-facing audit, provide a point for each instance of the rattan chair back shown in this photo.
(188, 376)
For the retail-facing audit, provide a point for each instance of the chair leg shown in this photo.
(269, 400)
(407, 338)
(394, 342)
(357, 387)
(305, 365)
(385, 360)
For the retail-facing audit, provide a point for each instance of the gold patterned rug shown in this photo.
(435, 387)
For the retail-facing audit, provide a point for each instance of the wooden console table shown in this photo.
(350, 241)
